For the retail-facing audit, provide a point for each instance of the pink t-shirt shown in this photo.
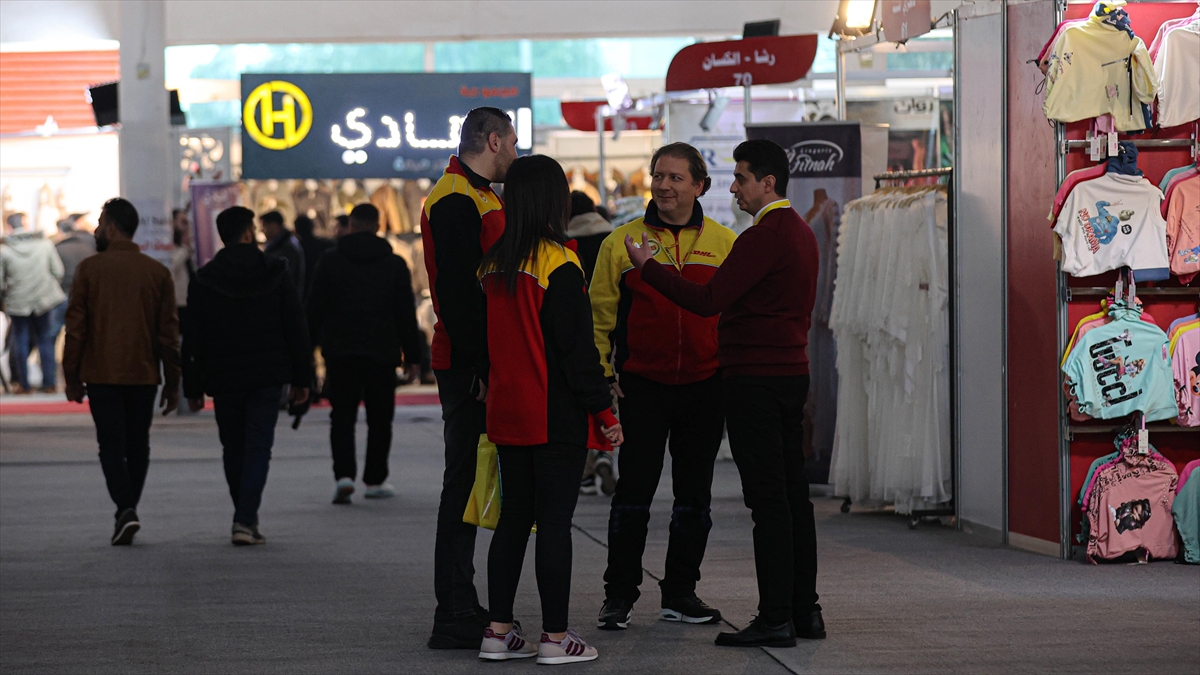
(1187, 473)
(1185, 365)
(1130, 508)
(1183, 227)
(1165, 28)
(1074, 178)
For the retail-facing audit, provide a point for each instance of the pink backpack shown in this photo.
(1130, 508)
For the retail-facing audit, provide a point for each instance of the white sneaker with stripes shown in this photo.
(572, 649)
(511, 645)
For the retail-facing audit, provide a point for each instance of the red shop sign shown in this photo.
(736, 63)
(581, 116)
(904, 19)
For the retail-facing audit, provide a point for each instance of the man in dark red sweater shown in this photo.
(764, 292)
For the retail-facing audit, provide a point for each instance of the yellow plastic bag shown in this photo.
(483, 506)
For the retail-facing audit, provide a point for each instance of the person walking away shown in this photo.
(546, 391)
(312, 246)
(73, 245)
(121, 328)
(765, 293)
(183, 270)
(341, 227)
(281, 244)
(662, 362)
(361, 314)
(462, 218)
(245, 339)
(589, 229)
(30, 285)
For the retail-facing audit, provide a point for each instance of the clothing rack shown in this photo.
(1068, 431)
(1101, 291)
(917, 173)
(950, 508)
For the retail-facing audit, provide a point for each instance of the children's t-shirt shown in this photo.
(1183, 228)
(1114, 221)
(1185, 365)
(1123, 367)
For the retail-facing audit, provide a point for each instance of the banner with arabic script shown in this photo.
(375, 125)
(737, 63)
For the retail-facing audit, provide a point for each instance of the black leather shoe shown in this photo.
(810, 626)
(760, 634)
(456, 634)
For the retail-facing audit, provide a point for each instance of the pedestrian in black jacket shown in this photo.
(245, 339)
(313, 247)
(361, 313)
(283, 245)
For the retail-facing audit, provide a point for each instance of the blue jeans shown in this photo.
(246, 425)
(42, 329)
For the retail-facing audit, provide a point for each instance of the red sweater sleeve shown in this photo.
(752, 256)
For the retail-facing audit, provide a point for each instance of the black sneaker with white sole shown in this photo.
(615, 615)
(688, 609)
(127, 526)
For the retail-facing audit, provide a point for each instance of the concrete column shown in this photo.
(146, 171)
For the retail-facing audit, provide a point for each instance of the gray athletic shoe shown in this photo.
(247, 536)
(572, 649)
(511, 645)
(345, 488)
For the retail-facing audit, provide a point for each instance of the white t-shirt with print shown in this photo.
(1111, 222)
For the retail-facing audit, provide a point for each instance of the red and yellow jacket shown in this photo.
(545, 383)
(639, 331)
(461, 219)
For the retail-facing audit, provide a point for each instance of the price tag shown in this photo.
(1143, 441)
(1112, 144)
(1095, 147)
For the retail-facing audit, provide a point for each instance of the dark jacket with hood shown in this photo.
(245, 328)
(589, 230)
(361, 303)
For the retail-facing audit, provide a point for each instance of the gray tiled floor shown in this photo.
(342, 589)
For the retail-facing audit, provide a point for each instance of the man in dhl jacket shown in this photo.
(662, 363)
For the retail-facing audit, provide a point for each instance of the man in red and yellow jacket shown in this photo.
(461, 220)
(662, 362)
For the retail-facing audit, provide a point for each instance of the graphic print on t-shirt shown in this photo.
(1102, 228)
(1111, 369)
(1131, 515)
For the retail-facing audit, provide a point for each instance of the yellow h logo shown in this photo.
(261, 127)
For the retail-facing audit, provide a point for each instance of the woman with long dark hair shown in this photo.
(546, 396)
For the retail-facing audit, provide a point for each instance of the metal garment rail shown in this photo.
(1067, 146)
(950, 508)
(916, 173)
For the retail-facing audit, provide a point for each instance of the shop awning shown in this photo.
(581, 115)
(37, 85)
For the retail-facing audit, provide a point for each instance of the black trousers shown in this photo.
(692, 415)
(352, 381)
(538, 484)
(122, 414)
(246, 426)
(765, 421)
(454, 549)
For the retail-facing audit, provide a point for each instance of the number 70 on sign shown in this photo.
(743, 79)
